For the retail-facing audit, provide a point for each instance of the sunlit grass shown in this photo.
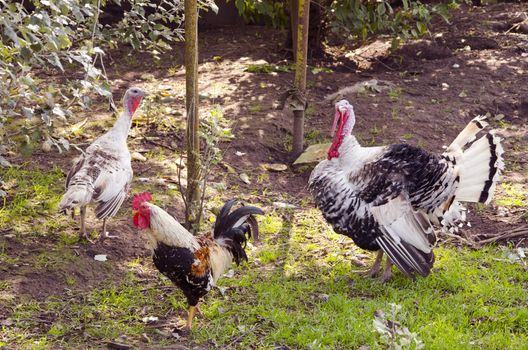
(300, 289)
(31, 194)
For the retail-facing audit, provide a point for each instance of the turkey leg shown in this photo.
(82, 233)
(104, 233)
(387, 271)
(376, 266)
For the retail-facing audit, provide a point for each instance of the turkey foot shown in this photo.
(104, 233)
(387, 271)
(376, 267)
(83, 233)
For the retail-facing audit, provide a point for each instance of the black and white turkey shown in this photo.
(388, 198)
(103, 173)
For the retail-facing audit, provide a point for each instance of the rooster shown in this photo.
(388, 198)
(195, 264)
(103, 173)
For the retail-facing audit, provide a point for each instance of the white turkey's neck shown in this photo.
(353, 156)
(348, 150)
(122, 126)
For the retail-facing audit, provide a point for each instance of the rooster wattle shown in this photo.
(194, 264)
(388, 198)
(103, 173)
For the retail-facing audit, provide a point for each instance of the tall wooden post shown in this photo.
(193, 120)
(300, 73)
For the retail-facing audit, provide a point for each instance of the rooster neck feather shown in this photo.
(164, 228)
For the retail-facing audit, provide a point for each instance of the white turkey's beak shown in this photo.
(336, 121)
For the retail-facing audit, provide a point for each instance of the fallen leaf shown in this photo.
(240, 154)
(313, 154)
(229, 168)
(274, 167)
(282, 205)
(100, 257)
(245, 178)
(148, 319)
(138, 156)
(4, 162)
(229, 274)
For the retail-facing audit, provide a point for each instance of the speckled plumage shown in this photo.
(103, 173)
(389, 197)
(344, 197)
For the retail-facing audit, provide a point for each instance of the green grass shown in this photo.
(31, 194)
(512, 195)
(300, 289)
(473, 299)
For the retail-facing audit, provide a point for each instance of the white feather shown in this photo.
(221, 260)
(164, 228)
(402, 223)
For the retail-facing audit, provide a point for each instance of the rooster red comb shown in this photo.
(140, 198)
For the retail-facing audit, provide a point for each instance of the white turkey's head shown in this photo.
(344, 121)
(132, 99)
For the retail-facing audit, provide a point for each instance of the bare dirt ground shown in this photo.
(477, 64)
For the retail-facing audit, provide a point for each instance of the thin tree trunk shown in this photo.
(294, 21)
(300, 73)
(193, 121)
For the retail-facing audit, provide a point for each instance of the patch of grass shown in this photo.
(55, 259)
(255, 107)
(306, 296)
(298, 290)
(31, 194)
(5, 258)
(314, 136)
(395, 93)
(375, 130)
(513, 195)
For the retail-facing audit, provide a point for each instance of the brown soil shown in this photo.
(466, 68)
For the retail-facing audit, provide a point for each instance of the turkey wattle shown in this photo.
(388, 198)
(103, 173)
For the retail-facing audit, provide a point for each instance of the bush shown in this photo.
(59, 39)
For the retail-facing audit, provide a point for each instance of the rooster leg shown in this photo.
(376, 266)
(199, 310)
(387, 271)
(190, 316)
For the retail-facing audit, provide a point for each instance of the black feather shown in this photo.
(221, 217)
(235, 237)
(224, 223)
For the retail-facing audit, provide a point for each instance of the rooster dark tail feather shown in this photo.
(231, 228)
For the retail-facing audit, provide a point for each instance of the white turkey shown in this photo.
(103, 173)
(388, 198)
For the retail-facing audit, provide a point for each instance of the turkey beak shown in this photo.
(336, 121)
